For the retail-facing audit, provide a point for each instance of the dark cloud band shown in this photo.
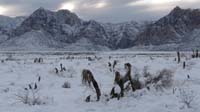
(101, 10)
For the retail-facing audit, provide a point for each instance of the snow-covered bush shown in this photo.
(163, 79)
(62, 68)
(146, 73)
(187, 97)
(38, 60)
(90, 59)
(2, 61)
(66, 85)
(71, 72)
(60, 71)
(30, 95)
(9, 57)
(6, 90)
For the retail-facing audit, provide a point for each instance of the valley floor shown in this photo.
(17, 70)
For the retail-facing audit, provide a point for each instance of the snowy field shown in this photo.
(18, 70)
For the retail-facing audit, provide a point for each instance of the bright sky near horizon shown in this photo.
(101, 10)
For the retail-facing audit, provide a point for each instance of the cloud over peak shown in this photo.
(101, 10)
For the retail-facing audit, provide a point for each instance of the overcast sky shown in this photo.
(100, 10)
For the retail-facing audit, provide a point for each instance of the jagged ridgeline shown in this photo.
(45, 29)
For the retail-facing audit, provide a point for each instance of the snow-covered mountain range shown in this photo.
(64, 30)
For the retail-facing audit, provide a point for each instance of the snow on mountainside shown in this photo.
(38, 40)
(175, 28)
(31, 40)
(122, 35)
(8, 23)
(64, 30)
(67, 29)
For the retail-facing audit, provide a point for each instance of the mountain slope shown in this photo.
(175, 28)
(7, 24)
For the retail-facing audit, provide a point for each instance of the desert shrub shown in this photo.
(115, 93)
(12, 83)
(2, 61)
(35, 60)
(137, 84)
(9, 58)
(98, 58)
(146, 73)
(56, 70)
(60, 72)
(195, 53)
(71, 71)
(112, 66)
(62, 68)
(151, 58)
(38, 60)
(88, 98)
(109, 57)
(187, 97)
(6, 90)
(30, 95)
(90, 59)
(163, 79)
(66, 85)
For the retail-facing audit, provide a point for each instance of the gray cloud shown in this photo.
(100, 10)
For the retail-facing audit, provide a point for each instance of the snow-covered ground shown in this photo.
(18, 70)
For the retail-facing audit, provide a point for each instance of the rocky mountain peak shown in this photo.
(67, 17)
(177, 8)
(41, 12)
(178, 16)
(60, 17)
(49, 21)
